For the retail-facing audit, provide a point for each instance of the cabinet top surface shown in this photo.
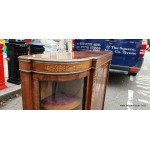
(67, 56)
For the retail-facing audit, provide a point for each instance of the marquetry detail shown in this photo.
(61, 68)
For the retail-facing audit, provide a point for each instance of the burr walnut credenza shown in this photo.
(64, 80)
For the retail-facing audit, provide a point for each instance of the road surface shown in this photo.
(130, 92)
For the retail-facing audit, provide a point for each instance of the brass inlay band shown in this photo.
(25, 70)
(60, 73)
(52, 73)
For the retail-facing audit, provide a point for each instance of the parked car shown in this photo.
(128, 54)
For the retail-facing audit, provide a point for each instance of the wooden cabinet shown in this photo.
(64, 80)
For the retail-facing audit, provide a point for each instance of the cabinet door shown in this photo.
(65, 95)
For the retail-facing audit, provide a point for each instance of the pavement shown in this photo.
(12, 104)
(11, 91)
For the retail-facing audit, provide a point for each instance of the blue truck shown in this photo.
(128, 54)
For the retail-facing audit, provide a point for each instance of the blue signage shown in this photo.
(126, 47)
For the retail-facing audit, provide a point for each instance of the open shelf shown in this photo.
(60, 103)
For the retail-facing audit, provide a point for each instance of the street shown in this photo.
(129, 92)
(123, 92)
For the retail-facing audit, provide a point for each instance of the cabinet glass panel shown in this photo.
(68, 95)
